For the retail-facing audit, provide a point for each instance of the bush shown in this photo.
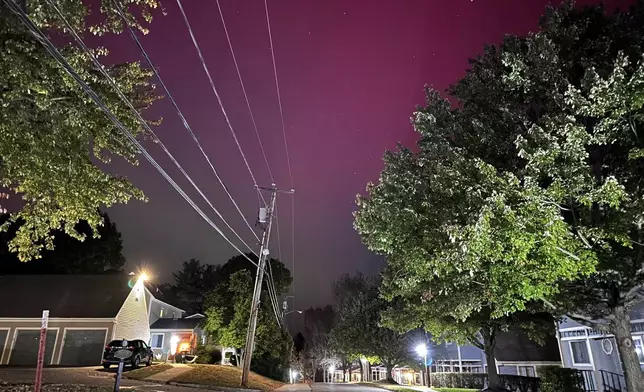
(558, 379)
(208, 354)
(459, 380)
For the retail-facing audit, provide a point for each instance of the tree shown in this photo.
(318, 323)
(191, 285)
(548, 125)
(101, 253)
(357, 331)
(227, 309)
(53, 134)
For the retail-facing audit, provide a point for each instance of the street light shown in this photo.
(421, 350)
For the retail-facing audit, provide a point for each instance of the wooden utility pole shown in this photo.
(265, 221)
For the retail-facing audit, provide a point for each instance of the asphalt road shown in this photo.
(322, 387)
(84, 376)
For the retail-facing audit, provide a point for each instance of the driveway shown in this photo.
(93, 376)
(337, 387)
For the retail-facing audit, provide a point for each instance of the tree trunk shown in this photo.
(350, 373)
(489, 342)
(621, 329)
(390, 369)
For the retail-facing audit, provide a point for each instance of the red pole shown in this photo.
(41, 350)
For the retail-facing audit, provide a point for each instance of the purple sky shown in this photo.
(351, 73)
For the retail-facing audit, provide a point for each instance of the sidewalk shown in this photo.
(299, 387)
(166, 376)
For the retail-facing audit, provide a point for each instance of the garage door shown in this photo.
(83, 347)
(25, 348)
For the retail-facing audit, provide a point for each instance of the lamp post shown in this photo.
(421, 349)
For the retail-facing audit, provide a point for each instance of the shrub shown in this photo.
(558, 379)
(208, 354)
(459, 380)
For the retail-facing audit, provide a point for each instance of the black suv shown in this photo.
(141, 353)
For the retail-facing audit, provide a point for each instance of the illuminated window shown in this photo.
(161, 313)
(527, 371)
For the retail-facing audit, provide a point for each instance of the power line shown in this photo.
(288, 158)
(214, 89)
(279, 96)
(186, 125)
(53, 51)
(241, 82)
(109, 78)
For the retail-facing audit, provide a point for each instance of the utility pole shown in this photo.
(265, 221)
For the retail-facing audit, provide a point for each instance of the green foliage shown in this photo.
(97, 254)
(208, 354)
(529, 190)
(53, 135)
(558, 379)
(227, 309)
(474, 381)
(357, 331)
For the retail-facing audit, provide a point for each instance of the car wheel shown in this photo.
(135, 362)
(106, 366)
(149, 362)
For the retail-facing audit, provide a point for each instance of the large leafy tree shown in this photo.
(97, 254)
(357, 331)
(559, 114)
(227, 308)
(318, 323)
(53, 135)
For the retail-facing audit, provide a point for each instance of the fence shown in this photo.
(612, 382)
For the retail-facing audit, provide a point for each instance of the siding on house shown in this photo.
(132, 321)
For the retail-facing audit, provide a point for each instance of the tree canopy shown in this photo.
(357, 331)
(96, 255)
(227, 308)
(53, 135)
(528, 189)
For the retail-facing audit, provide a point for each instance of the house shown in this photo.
(595, 352)
(169, 336)
(85, 313)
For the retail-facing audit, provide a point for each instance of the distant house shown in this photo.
(86, 312)
(596, 353)
(169, 336)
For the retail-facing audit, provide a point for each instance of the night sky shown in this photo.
(351, 73)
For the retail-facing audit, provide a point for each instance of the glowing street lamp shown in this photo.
(421, 350)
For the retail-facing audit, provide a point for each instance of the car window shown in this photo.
(117, 343)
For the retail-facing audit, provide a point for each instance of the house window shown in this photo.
(527, 371)
(639, 348)
(579, 353)
(156, 341)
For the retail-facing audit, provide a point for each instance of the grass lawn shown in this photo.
(225, 376)
(455, 390)
(145, 372)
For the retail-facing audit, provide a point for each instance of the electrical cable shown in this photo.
(214, 89)
(143, 122)
(53, 51)
(186, 125)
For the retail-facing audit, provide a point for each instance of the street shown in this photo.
(92, 376)
(323, 387)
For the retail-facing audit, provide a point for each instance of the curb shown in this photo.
(210, 387)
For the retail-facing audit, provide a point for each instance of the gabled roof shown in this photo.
(65, 296)
(182, 323)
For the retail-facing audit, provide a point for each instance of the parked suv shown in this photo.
(141, 353)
